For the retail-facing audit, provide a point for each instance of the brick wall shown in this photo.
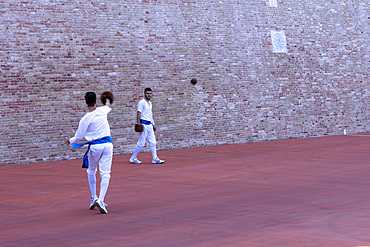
(52, 52)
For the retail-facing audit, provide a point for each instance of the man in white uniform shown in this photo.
(145, 117)
(94, 127)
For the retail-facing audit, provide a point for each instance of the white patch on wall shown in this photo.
(278, 42)
(273, 3)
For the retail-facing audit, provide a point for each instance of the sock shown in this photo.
(103, 188)
(153, 149)
(92, 185)
(136, 151)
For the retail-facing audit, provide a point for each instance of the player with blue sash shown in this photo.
(94, 127)
(144, 116)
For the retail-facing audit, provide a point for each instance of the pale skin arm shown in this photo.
(138, 115)
(154, 128)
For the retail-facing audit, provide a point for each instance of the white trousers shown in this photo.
(101, 154)
(147, 134)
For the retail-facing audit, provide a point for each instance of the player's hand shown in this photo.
(154, 128)
(67, 140)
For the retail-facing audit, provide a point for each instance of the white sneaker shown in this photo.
(157, 161)
(134, 160)
(101, 206)
(92, 204)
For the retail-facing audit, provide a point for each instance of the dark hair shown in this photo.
(147, 89)
(90, 98)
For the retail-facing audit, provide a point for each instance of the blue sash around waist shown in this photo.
(146, 122)
(85, 162)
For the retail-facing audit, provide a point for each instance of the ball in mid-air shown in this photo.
(193, 81)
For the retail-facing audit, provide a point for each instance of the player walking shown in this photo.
(145, 117)
(94, 127)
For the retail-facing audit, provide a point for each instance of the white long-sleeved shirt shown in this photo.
(93, 125)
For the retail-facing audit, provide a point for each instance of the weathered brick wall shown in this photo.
(52, 52)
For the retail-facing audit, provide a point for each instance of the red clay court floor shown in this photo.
(299, 192)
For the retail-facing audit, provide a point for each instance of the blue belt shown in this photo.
(85, 162)
(146, 122)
